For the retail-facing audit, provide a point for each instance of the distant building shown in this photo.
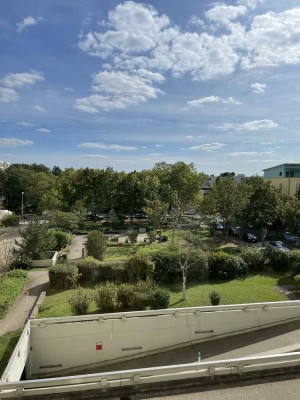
(207, 185)
(285, 177)
(4, 165)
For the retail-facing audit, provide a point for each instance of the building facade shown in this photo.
(285, 177)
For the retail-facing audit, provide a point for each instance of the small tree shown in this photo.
(140, 267)
(36, 241)
(132, 234)
(96, 244)
(64, 220)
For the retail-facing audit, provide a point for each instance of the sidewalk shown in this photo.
(18, 313)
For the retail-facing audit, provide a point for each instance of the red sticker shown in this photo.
(99, 346)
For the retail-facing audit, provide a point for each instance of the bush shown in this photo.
(151, 236)
(80, 301)
(63, 276)
(62, 239)
(167, 269)
(279, 260)
(19, 264)
(140, 267)
(139, 301)
(96, 244)
(63, 220)
(132, 234)
(125, 294)
(10, 220)
(297, 280)
(214, 298)
(254, 258)
(294, 262)
(159, 298)
(164, 238)
(92, 270)
(198, 269)
(225, 266)
(106, 297)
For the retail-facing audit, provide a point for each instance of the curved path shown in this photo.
(18, 313)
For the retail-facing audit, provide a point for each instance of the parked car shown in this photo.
(218, 226)
(290, 237)
(249, 237)
(234, 231)
(277, 244)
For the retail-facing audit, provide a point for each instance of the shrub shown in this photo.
(10, 220)
(80, 301)
(254, 258)
(63, 276)
(297, 280)
(96, 244)
(63, 220)
(125, 294)
(106, 297)
(198, 269)
(151, 236)
(159, 298)
(214, 298)
(279, 260)
(62, 239)
(132, 234)
(164, 238)
(19, 264)
(225, 266)
(139, 301)
(92, 270)
(167, 269)
(140, 267)
(294, 262)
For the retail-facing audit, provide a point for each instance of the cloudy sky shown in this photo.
(127, 84)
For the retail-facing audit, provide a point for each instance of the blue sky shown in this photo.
(126, 84)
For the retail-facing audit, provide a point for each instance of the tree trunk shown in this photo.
(183, 285)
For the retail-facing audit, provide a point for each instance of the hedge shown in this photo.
(63, 276)
(92, 270)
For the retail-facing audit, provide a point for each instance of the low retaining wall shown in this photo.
(49, 262)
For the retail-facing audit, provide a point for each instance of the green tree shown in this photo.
(96, 244)
(264, 204)
(64, 220)
(36, 240)
(228, 198)
(291, 215)
(156, 210)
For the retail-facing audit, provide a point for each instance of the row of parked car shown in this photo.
(252, 238)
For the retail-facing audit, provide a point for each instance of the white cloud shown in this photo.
(155, 154)
(67, 89)
(13, 142)
(44, 130)
(20, 80)
(94, 156)
(8, 95)
(243, 153)
(194, 20)
(118, 90)
(25, 124)
(212, 99)
(258, 87)
(250, 126)
(188, 137)
(39, 108)
(159, 145)
(106, 147)
(224, 13)
(28, 21)
(208, 146)
(273, 39)
(144, 147)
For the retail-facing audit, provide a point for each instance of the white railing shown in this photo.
(170, 311)
(143, 376)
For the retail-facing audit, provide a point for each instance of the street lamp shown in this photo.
(22, 207)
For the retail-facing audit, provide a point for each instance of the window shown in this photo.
(280, 173)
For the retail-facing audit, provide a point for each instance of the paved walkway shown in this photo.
(18, 313)
(76, 247)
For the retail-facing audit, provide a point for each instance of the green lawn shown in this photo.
(253, 289)
(7, 346)
(11, 284)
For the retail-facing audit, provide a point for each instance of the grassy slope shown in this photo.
(7, 345)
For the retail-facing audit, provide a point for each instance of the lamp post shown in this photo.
(22, 207)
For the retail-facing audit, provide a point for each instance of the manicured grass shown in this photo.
(120, 253)
(7, 345)
(11, 284)
(56, 304)
(253, 289)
